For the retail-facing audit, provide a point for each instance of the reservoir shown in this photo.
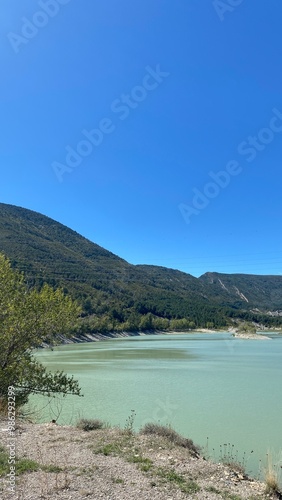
(222, 392)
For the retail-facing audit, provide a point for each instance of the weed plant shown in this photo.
(129, 423)
(273, 475)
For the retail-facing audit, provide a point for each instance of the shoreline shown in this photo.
(98, 337)
(250, 336)
(115, 463)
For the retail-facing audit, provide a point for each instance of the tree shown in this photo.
(146, 322)
(28, 318)
(247, 328)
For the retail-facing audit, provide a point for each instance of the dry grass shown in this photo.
(171, 435)
(272, 476)
(90, 424)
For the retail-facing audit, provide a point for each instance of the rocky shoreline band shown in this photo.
(94, 337)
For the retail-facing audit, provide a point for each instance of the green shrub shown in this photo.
(110, 449)
(22, 464)
(145, 464)
(26, 465)
(4, 457)
(172, 477)
(90, 424)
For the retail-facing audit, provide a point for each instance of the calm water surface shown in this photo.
(205, 385)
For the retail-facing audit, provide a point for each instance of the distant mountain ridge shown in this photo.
(115, 294)
(255, 290)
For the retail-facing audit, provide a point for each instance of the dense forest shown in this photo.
(118, 296)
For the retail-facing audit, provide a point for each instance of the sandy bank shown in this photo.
(250, 336)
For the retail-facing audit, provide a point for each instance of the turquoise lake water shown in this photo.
(205, 385)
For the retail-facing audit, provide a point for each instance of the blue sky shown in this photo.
(169, 91)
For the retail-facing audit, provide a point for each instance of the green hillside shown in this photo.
(264, 292)
(116, 295)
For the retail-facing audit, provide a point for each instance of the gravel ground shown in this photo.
(116, 465)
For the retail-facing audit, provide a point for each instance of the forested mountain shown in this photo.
(264, 292)
(116, 295)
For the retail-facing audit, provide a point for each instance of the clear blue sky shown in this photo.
(175, 89)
